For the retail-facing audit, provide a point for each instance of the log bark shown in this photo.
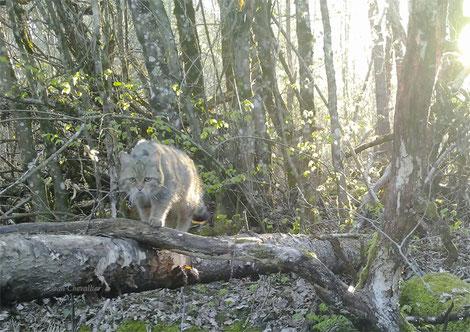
(42, 265)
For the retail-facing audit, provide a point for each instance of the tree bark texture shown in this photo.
(191, 53)
(396, 33)
(426, 31)
(266, 49)
(153, 30)
(36, 266)
(23, 127)
(305, 45)
(382, 126)
(343, 201)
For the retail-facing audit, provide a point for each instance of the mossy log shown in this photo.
(113, 256)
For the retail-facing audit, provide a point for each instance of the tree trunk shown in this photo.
(193, 76)
(396, 33)
(289, 58)
(266, 51)
(23, 126)
(153, 30)
(382, 126)
(305, 45)
(191, 53)
(426, 31)
(104, 87)
(343, 201)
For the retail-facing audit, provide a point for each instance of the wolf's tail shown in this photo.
(202, 213)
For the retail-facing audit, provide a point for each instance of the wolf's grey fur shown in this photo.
(163, 184)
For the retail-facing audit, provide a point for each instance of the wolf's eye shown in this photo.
(133, 180)
(148, 179)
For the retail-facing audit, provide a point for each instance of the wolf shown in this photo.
(163, 184)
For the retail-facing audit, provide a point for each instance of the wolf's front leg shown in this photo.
(143, 208)
(159, 211)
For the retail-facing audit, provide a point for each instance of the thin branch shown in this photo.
(365, 174)
(45, 162)
(310, 75)
(365, 146)
(436, 164)
(442, 318)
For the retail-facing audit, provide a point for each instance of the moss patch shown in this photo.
(84, 328)
(416, 300)
(372, 252)
(132, 326)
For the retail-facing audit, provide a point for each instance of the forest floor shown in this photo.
(279, 302)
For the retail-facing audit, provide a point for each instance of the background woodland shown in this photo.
(308, 117)
(244, 88)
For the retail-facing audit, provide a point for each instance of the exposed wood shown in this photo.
(36, 266)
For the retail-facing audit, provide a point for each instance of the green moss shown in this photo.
(416, 300)
(84, 328)
(133, 326)
(432, 212)
(220, 318)
(166, 328)
(206, 231)
(372, 252)
(407, 327)
(329, 322)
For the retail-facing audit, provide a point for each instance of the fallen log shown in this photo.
(114, 256)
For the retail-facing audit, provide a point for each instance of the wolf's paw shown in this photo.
(154, 222)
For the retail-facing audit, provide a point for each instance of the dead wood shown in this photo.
(115, 256)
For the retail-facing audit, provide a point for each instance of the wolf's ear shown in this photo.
(125, 158)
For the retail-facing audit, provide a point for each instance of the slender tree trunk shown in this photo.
(104, 86)
(266, 48)
(305, 45)
(307, 109)
(24, 127)
(289, 56)
(345, 40)
(122, 37)
(191, 52)
(343, 202)
(382, 126)
(193, 76)
(226, 22)
(263, 149)
(23, 131)
(396, 32)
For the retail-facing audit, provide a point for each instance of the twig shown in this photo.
(365, 174)
(416, 270)
(442, 318)
(436, 164)
(19, 204)
(45, 162)
(379, 185)
(377, 141)
(301, 60)
(183, 309)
